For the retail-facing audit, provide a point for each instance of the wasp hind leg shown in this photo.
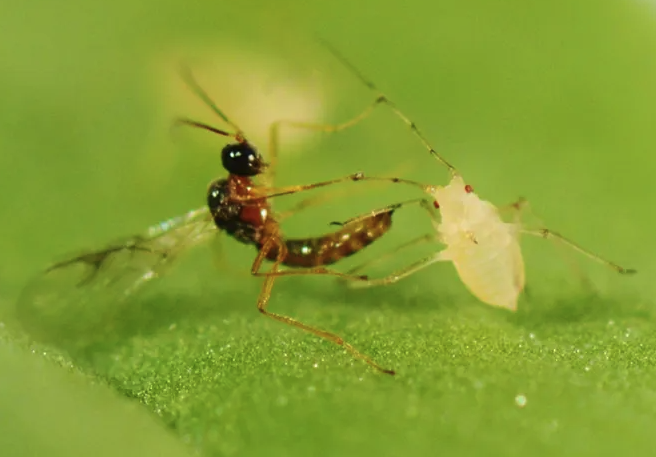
(265, 295)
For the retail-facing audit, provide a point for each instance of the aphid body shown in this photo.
(484, 249)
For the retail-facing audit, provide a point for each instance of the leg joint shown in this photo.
(544, 233)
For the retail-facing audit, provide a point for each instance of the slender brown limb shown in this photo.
(426, 238)
(404, 272)
(274, 131)
(265, 295)
(382, 98)
(523, 206)
(550, 234)
(305, 204)
(328, 196)
(410, 269)
(311, 271)
(270, 192)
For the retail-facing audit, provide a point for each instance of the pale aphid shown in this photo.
(483, 247)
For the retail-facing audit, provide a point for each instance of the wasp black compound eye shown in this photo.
(242, 159)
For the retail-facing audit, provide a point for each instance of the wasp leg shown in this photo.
(265, 295)
(404, 272)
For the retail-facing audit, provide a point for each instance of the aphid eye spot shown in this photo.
(436, 204)
(469, 189)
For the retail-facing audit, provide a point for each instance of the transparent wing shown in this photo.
(85, 291)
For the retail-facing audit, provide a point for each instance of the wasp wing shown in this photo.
(82, 291)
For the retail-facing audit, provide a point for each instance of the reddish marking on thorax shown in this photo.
(254, 212)
(254, 215)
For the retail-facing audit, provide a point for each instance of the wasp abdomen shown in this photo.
(329, 248)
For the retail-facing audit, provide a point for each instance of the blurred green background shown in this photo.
(555, 102)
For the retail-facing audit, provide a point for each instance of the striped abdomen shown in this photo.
(328, 249)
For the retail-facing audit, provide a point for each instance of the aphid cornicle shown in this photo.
(483, 247)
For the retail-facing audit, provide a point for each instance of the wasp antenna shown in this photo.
(188, 78)
(382, 98)
(200, 125)
(344, 61)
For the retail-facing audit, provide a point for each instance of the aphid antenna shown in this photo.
(190, 81)
(382, 98)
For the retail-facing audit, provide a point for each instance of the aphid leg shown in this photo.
(550, 234)
(516, 208)
(382, 98)
(265, 294)
(523, 205)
